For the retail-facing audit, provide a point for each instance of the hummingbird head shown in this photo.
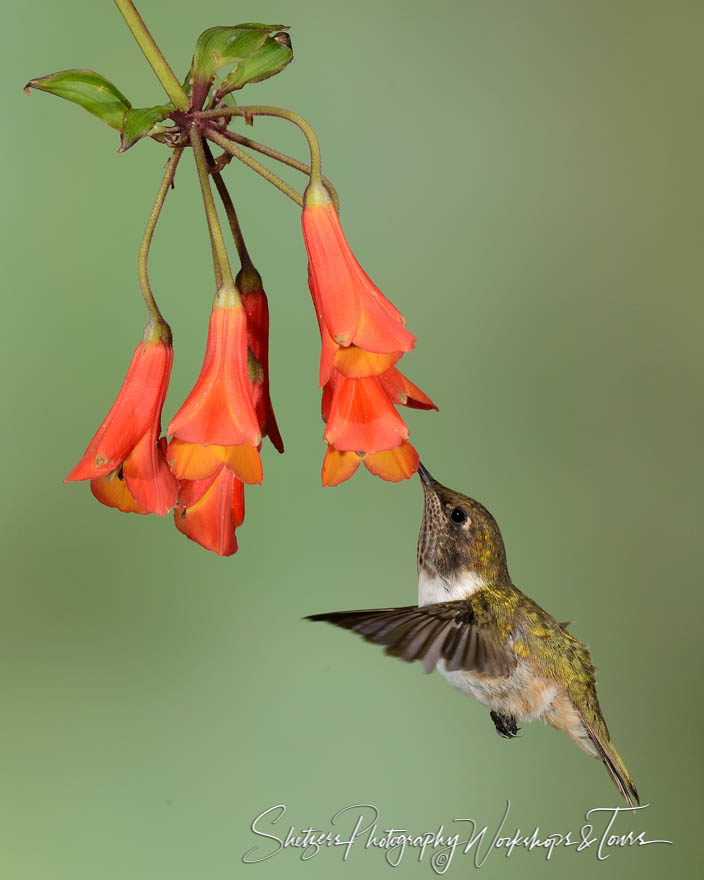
(458, 537)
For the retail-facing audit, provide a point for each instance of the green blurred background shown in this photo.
(524, 181)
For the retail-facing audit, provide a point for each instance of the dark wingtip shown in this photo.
(425, 474)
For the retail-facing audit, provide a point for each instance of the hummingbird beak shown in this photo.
(425, 475)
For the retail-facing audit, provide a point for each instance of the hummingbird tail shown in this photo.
(614, 764)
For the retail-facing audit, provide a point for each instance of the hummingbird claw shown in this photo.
(505, 725)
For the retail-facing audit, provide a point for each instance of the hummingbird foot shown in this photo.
(505, 725)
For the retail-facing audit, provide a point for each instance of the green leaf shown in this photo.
(268, 60)
(219, 47)
(142, 122)
(90, 90)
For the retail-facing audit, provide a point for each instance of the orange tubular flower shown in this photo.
(217, 423)
(219, 410)
(362, 425)
(256, 308)
(217, 432)
(355, 311)
(362, 336)
(209, 511)
(125, 460)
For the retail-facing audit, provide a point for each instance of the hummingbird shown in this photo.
(487, 638)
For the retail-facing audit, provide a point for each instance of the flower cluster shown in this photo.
(212, 445)
(216, 435)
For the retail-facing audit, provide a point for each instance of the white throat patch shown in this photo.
(434, 588)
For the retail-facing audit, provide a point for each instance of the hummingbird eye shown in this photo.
(458, 516)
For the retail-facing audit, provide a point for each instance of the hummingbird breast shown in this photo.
(522, 694)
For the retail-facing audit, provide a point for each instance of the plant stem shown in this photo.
(235, 228)
(152, 53)
(282, 113)
(284, 158)
(223, 272)
(223, 142)
(147, 293)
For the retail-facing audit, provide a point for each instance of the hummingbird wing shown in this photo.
(446, 631)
